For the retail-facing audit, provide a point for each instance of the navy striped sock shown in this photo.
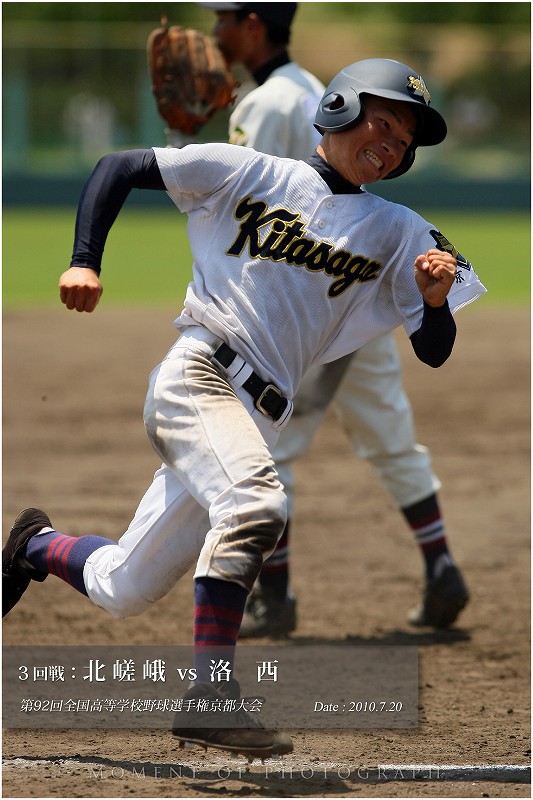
(425, 520)
(64, 556)
(218, 609)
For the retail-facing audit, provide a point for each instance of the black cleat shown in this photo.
(444, 598)
(234, 729)
(266, 614)
(16, 571)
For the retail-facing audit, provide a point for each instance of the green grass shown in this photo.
(147, 258)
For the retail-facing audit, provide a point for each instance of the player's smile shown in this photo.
(374, 159)
(374, 147)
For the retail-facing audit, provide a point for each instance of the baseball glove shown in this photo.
(190, 78)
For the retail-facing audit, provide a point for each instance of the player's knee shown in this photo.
(259, 504)
(114, 590)
(241, 552)
(269, 533)
(263, 527)
(121, 604)
(250, 519)
(271, 522)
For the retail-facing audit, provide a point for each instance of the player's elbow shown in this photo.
(434, 360)
(434, 345)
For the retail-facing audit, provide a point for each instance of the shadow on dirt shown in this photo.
(389, 638)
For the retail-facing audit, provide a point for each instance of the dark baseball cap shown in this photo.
(278, 13)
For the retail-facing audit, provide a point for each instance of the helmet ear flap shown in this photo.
(334, 102)
(339, 109)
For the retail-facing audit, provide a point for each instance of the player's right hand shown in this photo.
(80, 288)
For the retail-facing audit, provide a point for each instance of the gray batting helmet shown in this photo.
(342, 105)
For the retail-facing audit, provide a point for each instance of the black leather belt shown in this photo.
(267, 397)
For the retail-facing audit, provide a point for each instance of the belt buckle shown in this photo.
(259, 401)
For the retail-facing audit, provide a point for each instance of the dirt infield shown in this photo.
(74, 445)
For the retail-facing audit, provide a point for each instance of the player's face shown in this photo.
(230, 35)
(373, 148)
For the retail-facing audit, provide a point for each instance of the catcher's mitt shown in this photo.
(190, 78)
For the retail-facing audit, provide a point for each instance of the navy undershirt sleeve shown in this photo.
(103, 196)
(433, 341)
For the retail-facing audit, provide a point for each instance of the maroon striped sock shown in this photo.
(425, 520)
(218, 610)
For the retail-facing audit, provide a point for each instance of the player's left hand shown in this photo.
(80, 288)
(435, 275)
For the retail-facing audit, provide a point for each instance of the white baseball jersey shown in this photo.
(269, 118)
(289, 274)
(371, 400)
(375, 409)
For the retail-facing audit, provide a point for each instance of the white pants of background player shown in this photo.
(374, 409)
(216, 500)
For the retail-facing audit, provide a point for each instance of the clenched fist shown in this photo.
(435, 275)
(80, 288)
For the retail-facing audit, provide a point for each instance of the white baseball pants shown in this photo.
(369, 398)
(216, 499)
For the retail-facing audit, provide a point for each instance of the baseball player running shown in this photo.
(295, 265)
(367, 388)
